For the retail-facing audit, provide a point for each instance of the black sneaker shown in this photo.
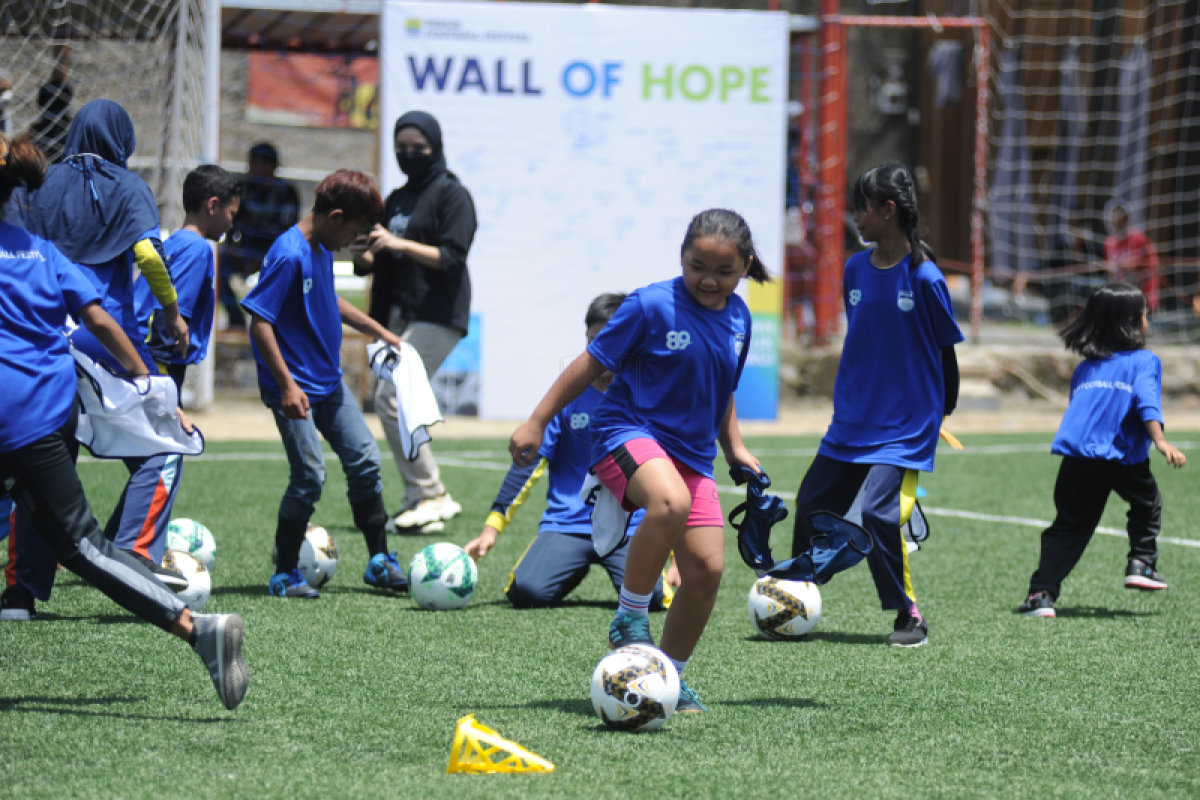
(909, 631)
(171, 578)
(17, 605)
(1140, 575)
(1038, 604)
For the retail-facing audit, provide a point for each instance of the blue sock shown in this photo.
(635, 604)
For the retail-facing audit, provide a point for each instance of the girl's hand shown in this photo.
(188, 427)
(381, 239)
(478, 547)
(524, 444)
(672, 577)
(1174, 457)
(295, 402)
(739, 456)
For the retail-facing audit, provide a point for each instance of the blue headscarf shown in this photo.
(90, 206)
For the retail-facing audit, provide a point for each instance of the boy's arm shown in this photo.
(150, 262)
(293, 400)
(1174, 457)
(106, 330)
(364, 324)
(515, 490)
(730, 438)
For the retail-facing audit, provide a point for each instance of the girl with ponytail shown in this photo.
(897, 380)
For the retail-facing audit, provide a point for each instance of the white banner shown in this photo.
(588, 137)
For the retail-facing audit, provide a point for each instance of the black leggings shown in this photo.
(42, 480)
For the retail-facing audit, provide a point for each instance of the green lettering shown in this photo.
(731, 78)
(649, 82)
(758, 85)
(706, 82)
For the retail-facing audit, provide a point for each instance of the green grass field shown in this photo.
(357, 694)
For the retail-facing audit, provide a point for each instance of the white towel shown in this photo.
(416, 407)
(124, 418)
(609, 519)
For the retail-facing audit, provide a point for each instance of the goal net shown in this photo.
(1095, 153)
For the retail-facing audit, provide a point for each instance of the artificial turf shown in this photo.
(357, 694)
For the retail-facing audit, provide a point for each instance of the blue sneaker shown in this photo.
(688, 702)
(627, 629)
(383, 572)
(291, 584)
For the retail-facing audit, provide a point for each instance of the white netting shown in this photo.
(144, 54)
(1097, 105)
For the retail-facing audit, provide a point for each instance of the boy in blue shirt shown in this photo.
(559, 557)
(296, 334)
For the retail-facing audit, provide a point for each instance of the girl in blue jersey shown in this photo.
(38, 289)
(677, 349)
(1114, 415)
(897, 379)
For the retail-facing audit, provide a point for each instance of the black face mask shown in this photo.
(415, 165)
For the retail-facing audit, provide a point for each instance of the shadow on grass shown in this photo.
(250, 590)
(578, 706)
(96, 619)
(1099, 612)
(836, 637)
(74, 706)
(773, 702)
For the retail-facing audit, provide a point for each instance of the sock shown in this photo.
(636, 604)
(289, 536)
(679, 665)
(192, 635)
(371, 518)
(912, 612)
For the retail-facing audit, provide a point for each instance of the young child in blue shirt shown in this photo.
(559, 557)
(296, 334)
(897, 379)
(38, 448)
(677, 349)
(1105, 436)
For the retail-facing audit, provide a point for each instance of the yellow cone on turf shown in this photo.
(481, 750)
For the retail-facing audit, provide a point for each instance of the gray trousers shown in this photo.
(433, 342)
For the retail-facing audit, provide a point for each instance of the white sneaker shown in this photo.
(430, 511)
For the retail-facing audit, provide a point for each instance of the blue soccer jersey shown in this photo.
(889, 396)
(1112, 399)
(190, 263)
(676, 365)
(39, 287)
(295, 293)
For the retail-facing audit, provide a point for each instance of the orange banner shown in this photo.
(313, 91)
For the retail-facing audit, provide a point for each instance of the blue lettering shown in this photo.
(527, 87)
(611, 78)
(589, 78)
(500, 87)
(421, 76)
(472, 75)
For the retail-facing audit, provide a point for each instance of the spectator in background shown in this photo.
(49, 130)
(270, 206)
(1131, 255)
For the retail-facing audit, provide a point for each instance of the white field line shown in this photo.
(496, 466)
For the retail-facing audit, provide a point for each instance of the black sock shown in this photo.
(289, 536)
(371, 518)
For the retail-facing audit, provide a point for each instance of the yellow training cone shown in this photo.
(950, 439)
(481, 750)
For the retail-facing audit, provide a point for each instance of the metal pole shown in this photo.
(210, 149)
(982, 55)
(170, 191)
(831, 173)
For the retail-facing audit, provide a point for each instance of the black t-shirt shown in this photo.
(441, 215)
(270, 206)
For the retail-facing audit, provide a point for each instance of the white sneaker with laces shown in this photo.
(429, 512)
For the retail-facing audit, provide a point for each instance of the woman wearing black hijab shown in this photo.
(422, 292)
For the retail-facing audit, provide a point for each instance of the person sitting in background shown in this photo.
(270, 206)
(1131, 255)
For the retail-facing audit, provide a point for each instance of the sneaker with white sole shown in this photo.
(291, 584)
(1140, 575)
(1038, 604)
(384, 572)
(219, 645)
(17, 605)
(627, 629)
(909, 631)
(427, 514)
(688, 703)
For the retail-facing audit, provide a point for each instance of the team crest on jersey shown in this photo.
(905, 300)
(739, 341)
(307, 285)
(579, 420)
(855, 296)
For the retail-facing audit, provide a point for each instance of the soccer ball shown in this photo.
(189, 536)
(199, 579)
(442, 576)
(635, 688)
(318, 557)
(782, 609)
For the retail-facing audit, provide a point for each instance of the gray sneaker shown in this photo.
(219, 645)
(909, 631)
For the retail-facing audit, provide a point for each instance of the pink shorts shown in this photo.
(618, 467)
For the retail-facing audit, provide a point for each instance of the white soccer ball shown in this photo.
(189, 536)
(782, 609)
(199, 579)
(635, 688)
(318, 557)
(442, 576)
